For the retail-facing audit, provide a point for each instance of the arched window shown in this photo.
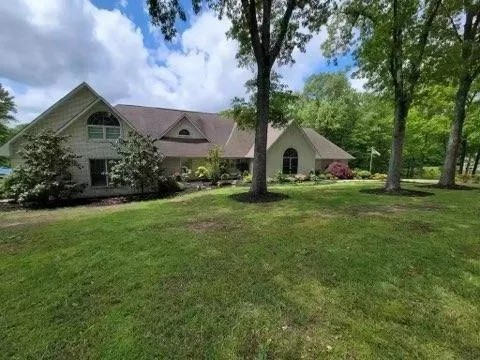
(290, 161)
(103, 125)
(184, 132)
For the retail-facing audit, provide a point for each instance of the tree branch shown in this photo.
(454, 26)
(283, 31)
(414, 73)
(251, 19)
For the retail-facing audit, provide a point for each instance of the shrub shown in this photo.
(280, 177)
(362, 174)
(301, 177)
(168, 185)
(340, 170)
(247, 179)
(202, 173)
(215, 165)
(379, 176)
(44, 175)
(224, 176)
(140, 165)
(430, 172)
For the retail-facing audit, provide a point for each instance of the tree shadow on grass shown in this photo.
(247, 197)
(454, 187)
(401, 192)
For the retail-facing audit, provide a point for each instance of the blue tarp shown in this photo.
(4, 171)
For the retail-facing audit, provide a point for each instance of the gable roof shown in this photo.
(326, 149)
(4, 149)
(156, 122)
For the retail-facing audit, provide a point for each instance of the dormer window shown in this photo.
(103, 126)
(184, 132)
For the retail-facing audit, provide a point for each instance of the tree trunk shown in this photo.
(469, 161)
(475, 164)
(447, 178)
(463, 155)
(259, 180)
(395, 164)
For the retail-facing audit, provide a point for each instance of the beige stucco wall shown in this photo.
(292, 137)
(185, 124)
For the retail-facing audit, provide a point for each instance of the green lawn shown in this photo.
(328, 273)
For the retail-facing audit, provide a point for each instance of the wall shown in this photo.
(93, 149)
(292, 137)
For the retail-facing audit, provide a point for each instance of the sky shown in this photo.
(51, 46)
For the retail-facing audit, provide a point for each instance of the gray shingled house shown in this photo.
(184, 137)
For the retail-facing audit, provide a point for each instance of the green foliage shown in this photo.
(215, 164)
(280, 177)
(202, 173)
(362, 174)
(283, 105)
(7, 109)
(329, 105)
(44, 174)
(140, 165)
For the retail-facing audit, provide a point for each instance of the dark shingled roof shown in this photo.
(235, 143)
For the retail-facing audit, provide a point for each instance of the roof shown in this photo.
(217, 130)
(325, 148)
(155, 121)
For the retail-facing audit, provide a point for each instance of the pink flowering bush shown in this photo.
(340, 170)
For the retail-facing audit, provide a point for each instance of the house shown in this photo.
(184, 137)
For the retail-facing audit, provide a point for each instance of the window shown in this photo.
(103, 125)
(184, 132)
(99, 171)
(290, 161)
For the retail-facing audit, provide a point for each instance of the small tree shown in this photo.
(140, 165)
(7, 109)
(44, 174)
(214, 164)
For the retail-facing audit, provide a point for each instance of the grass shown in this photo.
(329, 272)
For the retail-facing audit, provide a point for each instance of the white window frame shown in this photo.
(104, 132)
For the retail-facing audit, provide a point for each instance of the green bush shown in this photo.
(362, 174)
(280, 177)
(379, 176)
(301, 177)
(225, 176)
(202, 173)
(44, 175)
(431, 172)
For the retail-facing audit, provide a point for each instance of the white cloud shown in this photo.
(49, 47)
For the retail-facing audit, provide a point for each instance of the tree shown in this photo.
(214, 164)
(465, 25)
(140, 165)
(7, 109)
(267, 31)
(330, 105)
(44, 174)
(390, 41)
(282, 105)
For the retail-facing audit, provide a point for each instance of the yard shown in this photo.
(330, 272)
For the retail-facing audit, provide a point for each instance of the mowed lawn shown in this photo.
(331, 272)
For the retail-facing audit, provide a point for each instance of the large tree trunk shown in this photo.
(447, 179)
(259, 180)
(475, 164)
(395, 164)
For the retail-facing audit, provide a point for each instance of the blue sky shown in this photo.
(110, 44)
